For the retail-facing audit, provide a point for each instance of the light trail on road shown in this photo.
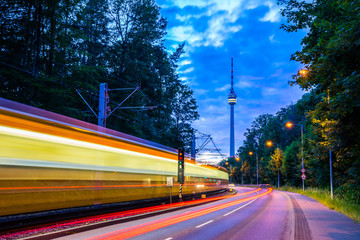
(154, 225)
(127, 213)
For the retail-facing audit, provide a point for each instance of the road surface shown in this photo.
(261, 215)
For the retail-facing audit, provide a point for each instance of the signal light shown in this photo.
(181, 165)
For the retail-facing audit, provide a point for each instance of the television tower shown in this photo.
(232, 102)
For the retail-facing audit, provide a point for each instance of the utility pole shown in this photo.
(257, 170)
(104, 110)
(242, 172)
(193, 144)
(103, 101)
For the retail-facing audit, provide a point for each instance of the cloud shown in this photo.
(184, 63)
(188, 70)
(194, 3)
(184, 33)
(273, 15)
(272, 39)
(247, 81)
(223, 88)
(212, 22)
(199, 91)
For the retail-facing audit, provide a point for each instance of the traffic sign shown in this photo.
(303, 170)
(170, 181)
(303, 176)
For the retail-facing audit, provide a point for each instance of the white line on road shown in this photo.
(199, 226)
(168, 238)
(239, 208)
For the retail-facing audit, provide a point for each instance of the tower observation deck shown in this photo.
(232, 101)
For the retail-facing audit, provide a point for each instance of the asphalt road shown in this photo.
(260, 215)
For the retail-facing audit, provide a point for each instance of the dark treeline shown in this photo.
(329, 113)
(51, 48)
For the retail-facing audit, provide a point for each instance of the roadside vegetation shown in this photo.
(339, 203)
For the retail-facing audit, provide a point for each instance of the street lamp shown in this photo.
(290, 125)
(257, 167)
(227, 164)
(304, 72)
(237, 158)
(270, 143)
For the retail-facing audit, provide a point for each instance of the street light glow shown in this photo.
(269, 143)
(251, 153)
(289, 124)
(303, 72)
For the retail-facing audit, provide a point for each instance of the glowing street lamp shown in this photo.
(257, 167)
(269, 143)
(303, 72)
(227, 164)
(290, 125)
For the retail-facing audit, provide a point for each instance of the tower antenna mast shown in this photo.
(232, 101)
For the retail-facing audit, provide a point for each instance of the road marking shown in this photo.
(199, 226)
(168, 238)
(238, 208)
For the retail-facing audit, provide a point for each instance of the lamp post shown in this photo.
(237, 158)
(270, 144)
(290, 125)
(242, 172)
(230, 171)
(257, 167)
(303, 73)
(330, 158)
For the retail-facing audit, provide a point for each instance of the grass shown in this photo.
(343, 206)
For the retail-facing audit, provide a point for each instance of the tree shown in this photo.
(50, 49)
(275, 164)
(291, 164)
(331, 55)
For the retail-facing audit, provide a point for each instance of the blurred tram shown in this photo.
(50, 161)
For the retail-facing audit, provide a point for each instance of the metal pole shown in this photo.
(278, 153)
(331, 176)
(170, 194)
(193, 144)
(331, 172)
(103, 100)
(257, 170)
(230, 174)
(180, 192)
(302, 154)
(242, 175)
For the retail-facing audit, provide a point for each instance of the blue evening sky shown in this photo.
(248, 30)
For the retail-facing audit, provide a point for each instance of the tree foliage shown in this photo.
(50, 49)
(331, 54)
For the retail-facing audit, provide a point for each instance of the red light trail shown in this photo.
(148, 227)
(127, 213)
